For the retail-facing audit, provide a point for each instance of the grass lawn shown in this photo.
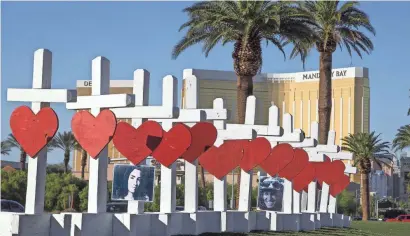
(359, 228)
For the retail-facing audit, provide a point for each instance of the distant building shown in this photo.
(11, 164)
(381, 176)
(404, 176)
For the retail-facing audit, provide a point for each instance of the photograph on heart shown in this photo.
(270, 193)
(133, 183)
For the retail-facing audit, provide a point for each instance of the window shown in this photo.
(5, 206)
(15, 207)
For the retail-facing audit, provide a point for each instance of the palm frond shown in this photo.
(366, 147)
(338, 22)
(402, 138)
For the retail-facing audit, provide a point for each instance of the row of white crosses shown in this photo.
(295, 138)
(218, 115)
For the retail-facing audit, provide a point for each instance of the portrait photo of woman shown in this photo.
(133, 183)
(270, 193)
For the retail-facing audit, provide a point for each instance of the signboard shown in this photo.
(308, 76)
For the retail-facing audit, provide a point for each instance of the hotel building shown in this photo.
(294, 93)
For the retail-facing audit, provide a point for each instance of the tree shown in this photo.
(14, 185)
(84, 157)
(335, 24)
(56, 168)
(12, 142)
(5, 148)
(366, 147)
(402, 139)
(245, 24)
(66, 142)
(346, 203)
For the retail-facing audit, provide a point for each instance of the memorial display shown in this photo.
(291, 165)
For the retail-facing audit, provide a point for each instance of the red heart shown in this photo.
(303, 179)
(300, 160)
(94, 133)
(33, 131)
(322, 169)
(173, 144)
(280, 156)
(339, 186)
(219, 161)
(137, 144)
(336, 171)
(203, 137)
(255, 152)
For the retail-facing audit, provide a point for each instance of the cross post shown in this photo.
(40, 96)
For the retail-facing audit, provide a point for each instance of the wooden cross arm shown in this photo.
(289, 137)
(330, 148)
(307, 142)
(140, 112)
(216, 114)
(236, 134)
(101, 101)
(350, 169)
(185, 115)
(339, 155)
(259, 129)
(41, 95)
(316, 157)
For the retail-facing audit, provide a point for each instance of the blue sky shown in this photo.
(134, 35)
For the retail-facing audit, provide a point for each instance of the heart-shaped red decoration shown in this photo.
(94, 133)
(336, 171)
(203, 137)
(280, 156)
(303, 179)
(339, 186)
(322, 169)
(173, 144)
(299, 162)
(255, 152)
(219, 161)
(33, 131)
(137, 144)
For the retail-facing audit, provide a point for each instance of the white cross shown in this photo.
(141, 111)
(40, 96)
(218, 114)
(99, 99)
(189, 115)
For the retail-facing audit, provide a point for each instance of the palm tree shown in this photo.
(12, 143)
(402, 139)
(5, 148)
(246, 24)
(66, 142)
(366, 147)
(336, 24)
(84, 156)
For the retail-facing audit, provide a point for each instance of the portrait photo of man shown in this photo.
(133, 183)
(270, 193)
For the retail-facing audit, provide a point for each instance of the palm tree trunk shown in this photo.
(66, 160)
(83, 162)
(365, 195)
(244, 88)
(23, 157)
(325, 95)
